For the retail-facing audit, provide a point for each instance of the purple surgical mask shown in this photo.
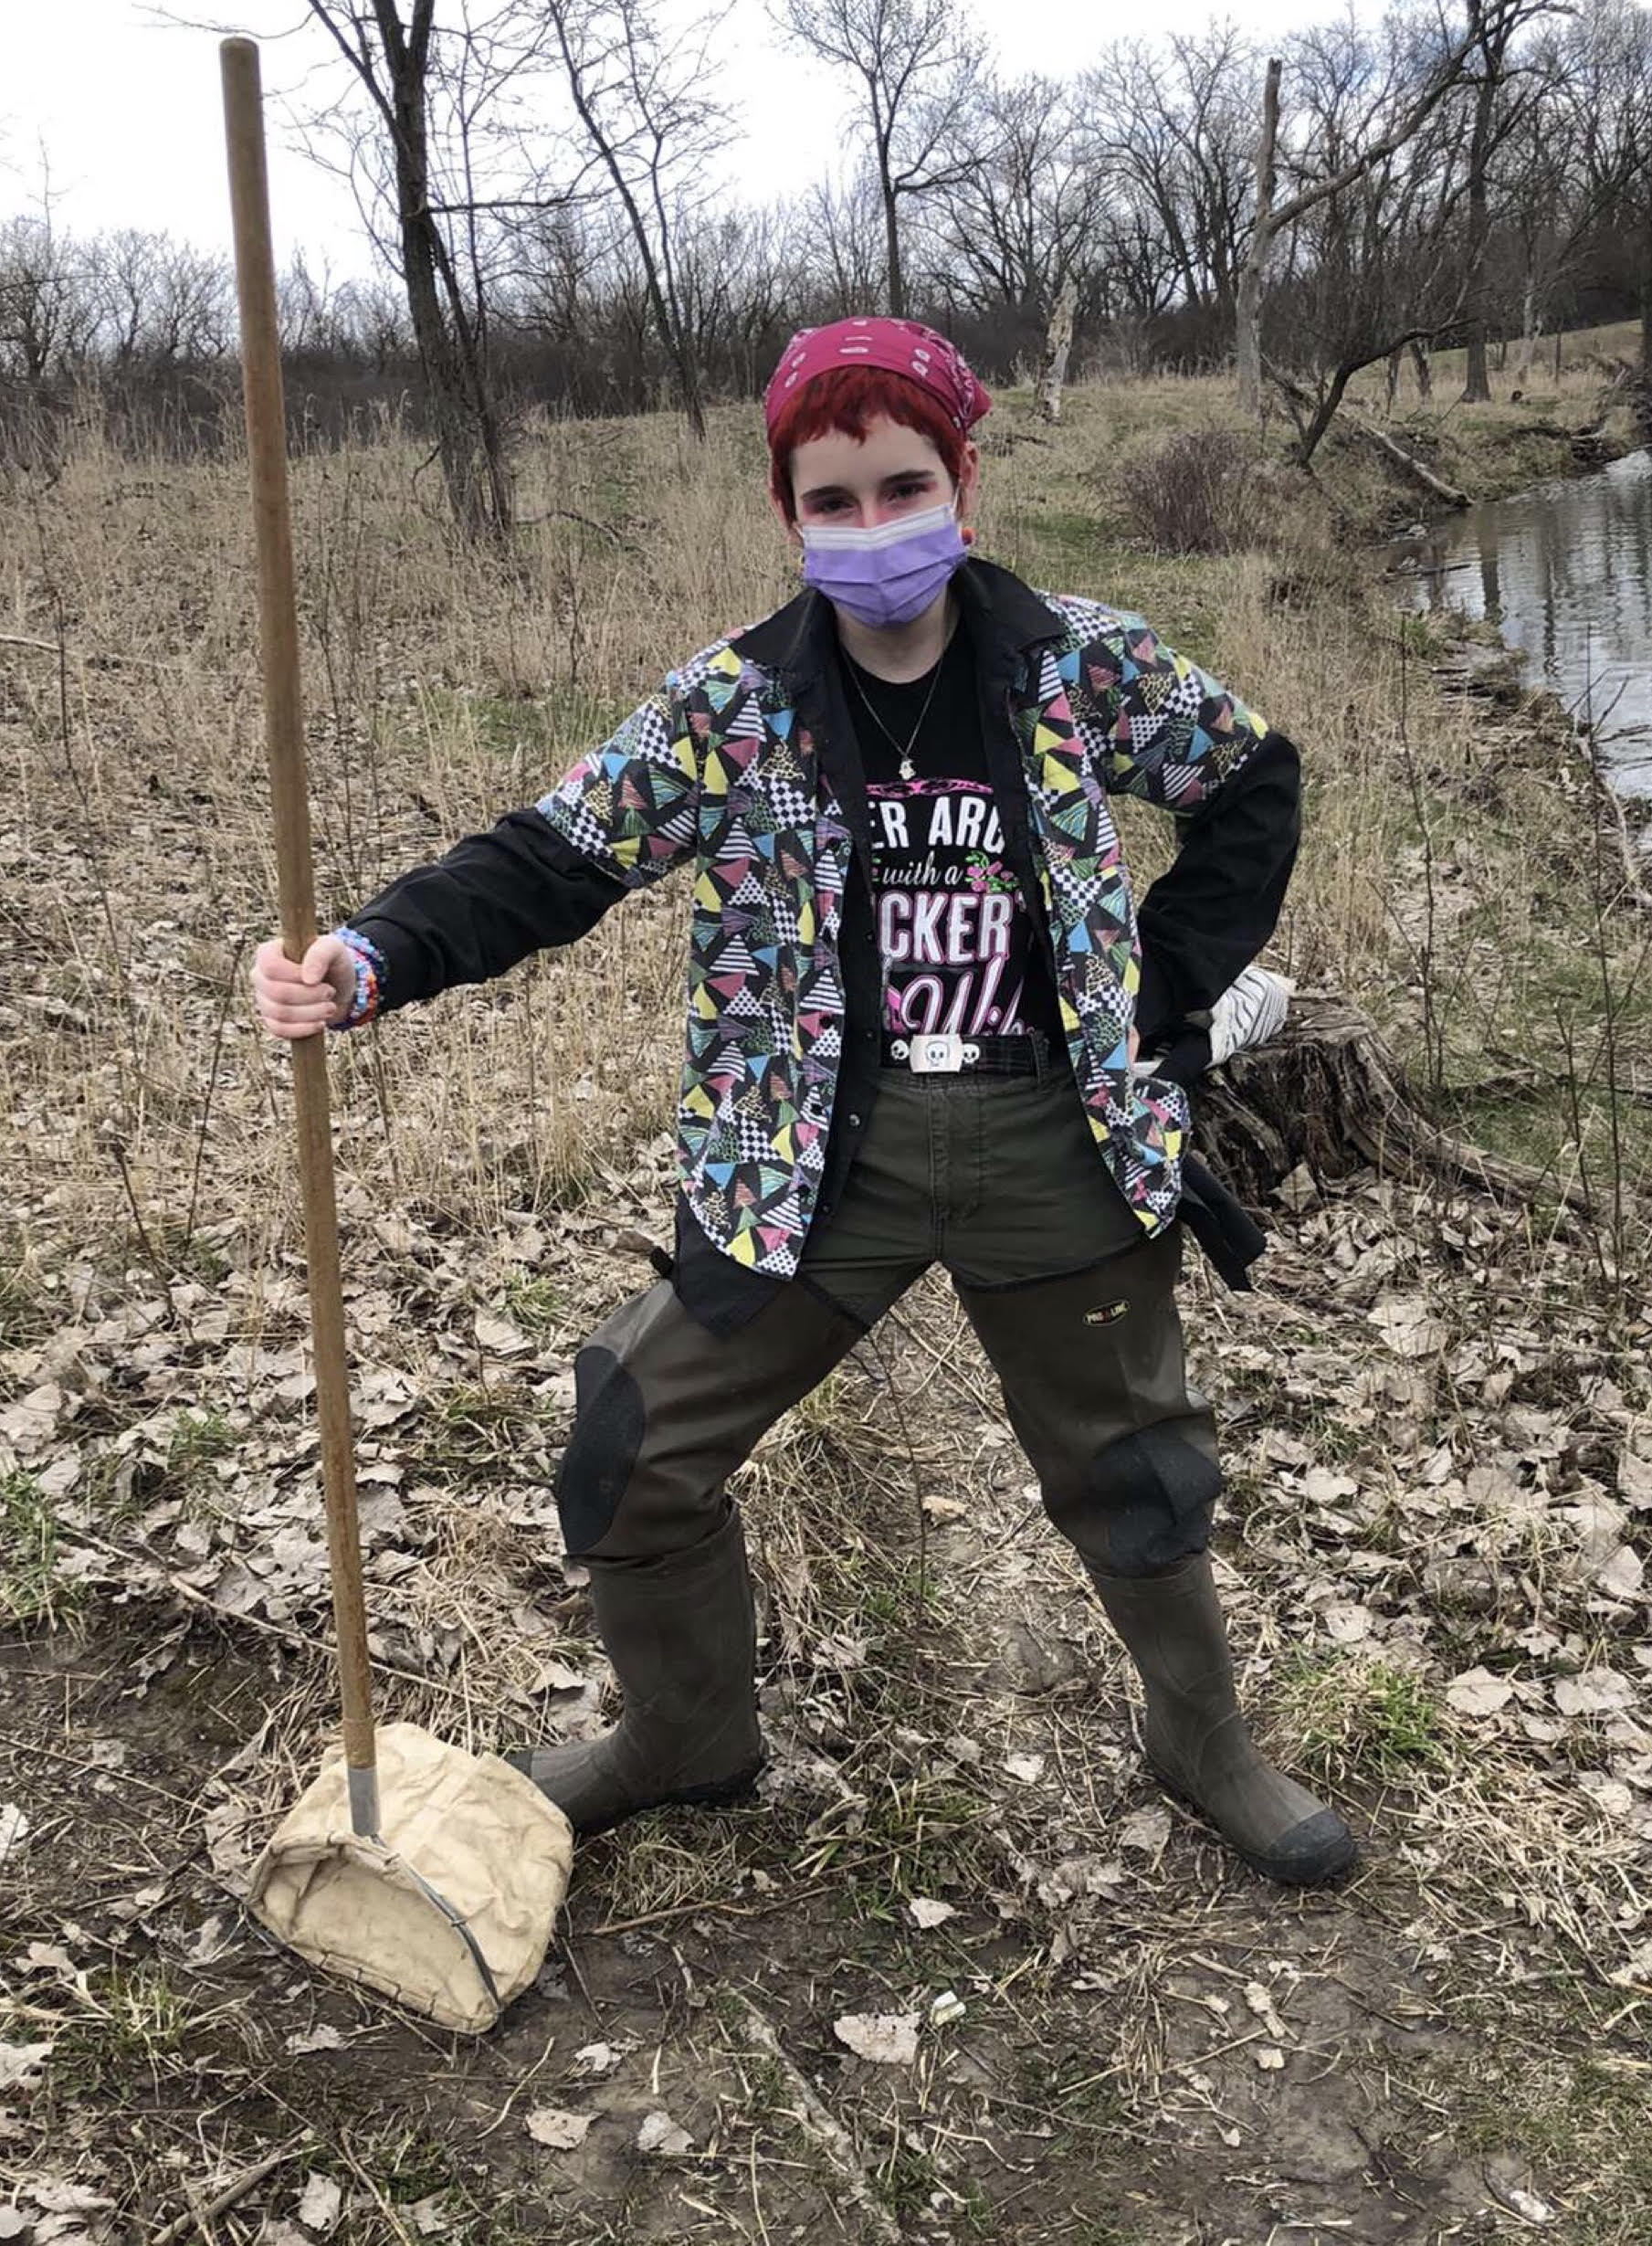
(889, 575)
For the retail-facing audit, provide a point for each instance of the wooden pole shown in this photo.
(284, 739)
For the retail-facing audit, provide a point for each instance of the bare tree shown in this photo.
(914, 70)
(424, 171)
(175, 303)
(1492, 27)
(1135, 276)
(1176, 138)
(1602, 87)
(846, 224)
(1058, 345)
(552, 216)
(1019, 234)
(48, 297)
(1320, 183)
(1371, 270)
(647, 121)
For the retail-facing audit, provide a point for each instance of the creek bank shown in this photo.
(1484, 455)
(1547, 591)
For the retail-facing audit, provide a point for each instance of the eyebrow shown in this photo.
(901, 475)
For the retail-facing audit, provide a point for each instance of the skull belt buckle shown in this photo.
(942, 1053)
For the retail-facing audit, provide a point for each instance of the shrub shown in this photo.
(1208, 490)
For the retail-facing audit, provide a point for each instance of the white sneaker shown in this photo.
(1249, 1012)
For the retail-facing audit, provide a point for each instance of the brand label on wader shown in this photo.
(1110, 1314)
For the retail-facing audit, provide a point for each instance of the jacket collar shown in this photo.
(1003, 611)
(800, 640)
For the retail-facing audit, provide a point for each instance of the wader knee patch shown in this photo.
(603, 1449)
(1147, 1502)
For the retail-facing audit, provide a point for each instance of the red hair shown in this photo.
(845, 401)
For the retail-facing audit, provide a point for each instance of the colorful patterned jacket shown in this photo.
(744, 767)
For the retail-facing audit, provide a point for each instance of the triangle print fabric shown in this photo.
(718, 770)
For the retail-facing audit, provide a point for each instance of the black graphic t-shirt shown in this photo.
(953, 927)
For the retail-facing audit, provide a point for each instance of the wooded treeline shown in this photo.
(543, 186)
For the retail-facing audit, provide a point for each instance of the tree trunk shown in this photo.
(468, 442)
(1328, 1094)
(693, 404)
(473, 471)
(1477, 386)
(1646, 290)
(1528, 326)
(1324, 414)
(1422, 366)
(1247, 318)
(894, 279)
(1057, 345)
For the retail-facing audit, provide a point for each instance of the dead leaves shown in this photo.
(53, 2210)
(29, 1424)
(659, 2133)
(1599, 1691)
(882, 2038)
(926, 1911)
(321, 2203)
(1478, 1693)
(20, 2068)
(558, 2130)
(1409, 1326)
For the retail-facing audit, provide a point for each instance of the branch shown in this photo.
(1287, 213)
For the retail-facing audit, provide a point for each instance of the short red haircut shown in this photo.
(845, 401)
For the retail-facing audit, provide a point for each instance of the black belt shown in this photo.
(947, 1054)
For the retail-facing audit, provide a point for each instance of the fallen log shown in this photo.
(1447, 494)
(1328, 1093)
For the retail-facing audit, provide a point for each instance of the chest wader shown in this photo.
(664, 1411)
(986, 1177)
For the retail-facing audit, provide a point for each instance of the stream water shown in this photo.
(1564, 571)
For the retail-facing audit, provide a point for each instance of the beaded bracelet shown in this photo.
(370, 974)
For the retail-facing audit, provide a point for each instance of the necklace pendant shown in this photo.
(907, 771)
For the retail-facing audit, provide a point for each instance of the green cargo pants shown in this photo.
(997, 1178)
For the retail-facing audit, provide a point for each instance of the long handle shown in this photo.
(284, 739)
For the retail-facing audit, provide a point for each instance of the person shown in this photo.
(921, 1025)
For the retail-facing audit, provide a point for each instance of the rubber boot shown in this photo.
(682, 1639)
(1195, 1737)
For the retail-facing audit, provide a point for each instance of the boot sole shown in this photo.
(1334, 1873)
(717, 1794)
(722, 1794)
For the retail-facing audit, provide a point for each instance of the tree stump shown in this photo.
(1328, 1093)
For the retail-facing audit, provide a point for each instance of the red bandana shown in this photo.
(898, 346)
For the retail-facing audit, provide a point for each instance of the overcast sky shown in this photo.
(126, 107)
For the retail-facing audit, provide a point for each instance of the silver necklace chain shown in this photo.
(905, 766)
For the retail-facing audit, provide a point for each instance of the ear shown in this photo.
(784, 520)
(969, 481)
(777, 504)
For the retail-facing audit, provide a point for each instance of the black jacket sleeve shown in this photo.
(1209, 914)
(486, 903)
